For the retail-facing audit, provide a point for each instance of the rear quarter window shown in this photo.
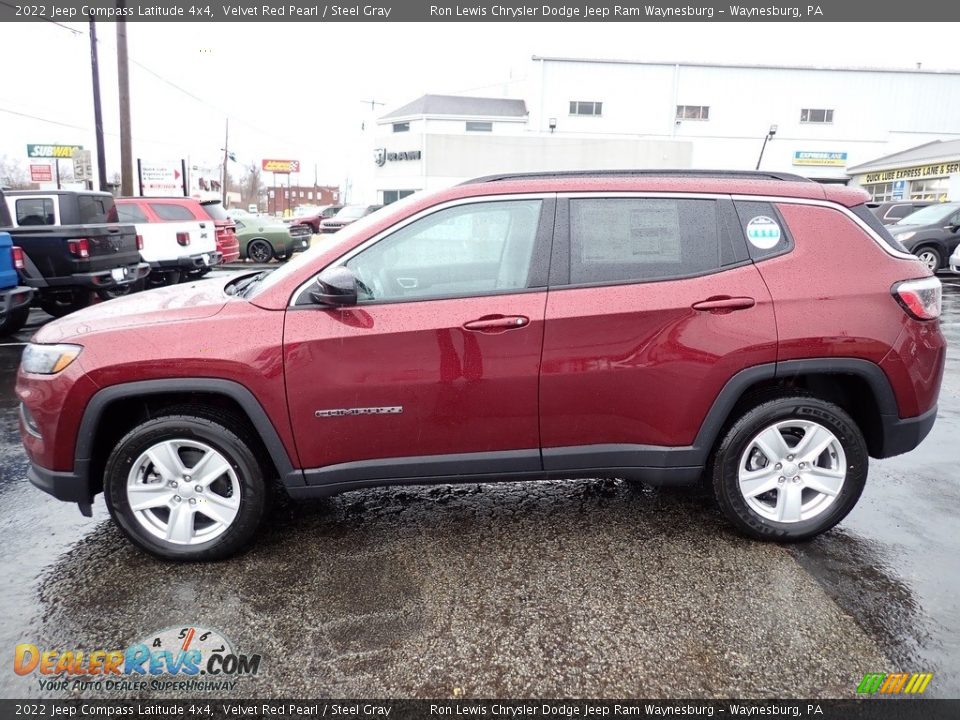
(172, 213)
(96, 209)
(873, 222)
(130, 213)
(765, 230)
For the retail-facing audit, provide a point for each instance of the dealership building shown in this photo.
(823, 123)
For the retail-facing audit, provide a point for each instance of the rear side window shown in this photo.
(95, 209)
(899, 211)
(766, 232)
(636, 239)
(130, 213)
(35, 211)
(171, 213)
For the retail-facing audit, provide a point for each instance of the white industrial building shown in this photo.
(585, 113)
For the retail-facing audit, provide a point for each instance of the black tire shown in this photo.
(725, 466)
(228, 436)
(14, 320)
(260, 251)
(930, 256)
(163, 279)
(63, 302)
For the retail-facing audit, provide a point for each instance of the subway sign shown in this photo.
(913, 173)
(63, 152)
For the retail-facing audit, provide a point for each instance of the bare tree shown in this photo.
(252, 185)
(12, 174)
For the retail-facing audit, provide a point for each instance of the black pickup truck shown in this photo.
(73, 246)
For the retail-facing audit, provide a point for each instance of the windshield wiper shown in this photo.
(241, 287)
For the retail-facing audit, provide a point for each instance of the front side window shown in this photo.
(35, 211)
(616, 240)
(460, 251)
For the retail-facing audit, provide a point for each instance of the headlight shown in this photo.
(48, 359)
(904, 236)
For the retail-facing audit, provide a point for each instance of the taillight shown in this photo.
(17, 257)
(139, 242)
(920, 298)
(79, 247)
(183, 238)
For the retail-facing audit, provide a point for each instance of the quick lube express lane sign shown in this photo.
(64, 152)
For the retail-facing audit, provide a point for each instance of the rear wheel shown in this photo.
(63, 302)
(260, 251)
(930, 257)
(186, 487)
(790, 468)
(14, 320)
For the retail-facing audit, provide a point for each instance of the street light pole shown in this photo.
(769, 136)
(97, 112)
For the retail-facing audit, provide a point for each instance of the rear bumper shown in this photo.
(902, 435)
(189, 262)
(100, 278)
(14, 298)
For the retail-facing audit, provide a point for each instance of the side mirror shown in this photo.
(336, 287)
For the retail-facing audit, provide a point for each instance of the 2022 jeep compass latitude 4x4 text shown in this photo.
(665, 327)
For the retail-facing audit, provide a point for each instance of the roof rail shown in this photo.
(546, 174)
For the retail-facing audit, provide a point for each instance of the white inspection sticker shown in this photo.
(763, 232)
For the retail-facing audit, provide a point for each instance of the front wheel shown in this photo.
(930, 257)
(260, 251)
(790, 468)
(186, 487)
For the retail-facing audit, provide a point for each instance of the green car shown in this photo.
(263, 238)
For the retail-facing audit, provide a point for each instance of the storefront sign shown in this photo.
(381, 156)
(41, 173)
(161, 178)
(64, 152)
(913, 173)
(815, 157)
(281, 166)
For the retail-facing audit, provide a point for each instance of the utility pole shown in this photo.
(97, 112)
(226, 157)
(123, 85)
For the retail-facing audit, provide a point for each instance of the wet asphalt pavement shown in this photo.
(581, 588)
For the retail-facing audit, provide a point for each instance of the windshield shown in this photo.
(352, 212)
(344, 237)
(930, 215)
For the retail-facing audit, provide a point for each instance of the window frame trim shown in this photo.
(542, 249)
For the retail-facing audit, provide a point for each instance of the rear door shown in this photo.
(434, 371)
(653, 305)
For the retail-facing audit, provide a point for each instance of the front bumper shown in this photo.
(955, 261)
(14, 298)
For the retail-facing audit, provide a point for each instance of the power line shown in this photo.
(81, 127)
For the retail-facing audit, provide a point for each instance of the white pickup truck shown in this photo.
(176, 249)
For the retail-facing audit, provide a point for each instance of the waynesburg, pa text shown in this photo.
(588, 12)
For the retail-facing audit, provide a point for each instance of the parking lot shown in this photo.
(579, 588)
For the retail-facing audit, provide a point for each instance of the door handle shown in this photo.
(497, 323)
(724, 304)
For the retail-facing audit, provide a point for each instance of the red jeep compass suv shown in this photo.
(654, 326)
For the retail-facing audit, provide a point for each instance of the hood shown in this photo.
(189, 301)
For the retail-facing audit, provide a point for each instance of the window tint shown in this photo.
(637, 239)
(765, 230)
(35, 211)
(130, 213)
(171, 213)
(465, 250)
(96, 209)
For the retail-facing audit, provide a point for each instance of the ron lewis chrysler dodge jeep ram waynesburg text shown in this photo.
(653, 326)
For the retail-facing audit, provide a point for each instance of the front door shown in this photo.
(434, 371)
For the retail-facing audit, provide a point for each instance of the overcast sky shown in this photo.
(294, 90)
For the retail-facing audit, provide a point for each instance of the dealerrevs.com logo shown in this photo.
(189, 658)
